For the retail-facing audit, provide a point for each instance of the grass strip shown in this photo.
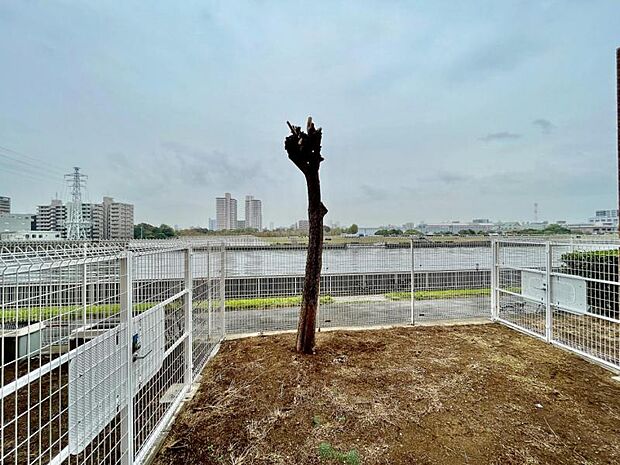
(439, 294)
(260, 303)
(67, 312)
(74, 312)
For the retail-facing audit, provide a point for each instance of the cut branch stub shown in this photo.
(304, 148)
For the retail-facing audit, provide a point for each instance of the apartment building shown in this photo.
(253, 213)
(5, 205)
(226, 212)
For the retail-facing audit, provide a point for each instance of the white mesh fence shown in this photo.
(101, 342)
(361, 285)
(563, 292)
(98, 347)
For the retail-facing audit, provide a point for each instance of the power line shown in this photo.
(28, 167)
(29, 160)
(28, 174)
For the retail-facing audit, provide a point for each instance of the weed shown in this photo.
(328, 452)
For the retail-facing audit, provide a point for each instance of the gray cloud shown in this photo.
(498, 53)
(544, 125)
(373, 193)
(207, 168)
(503, 135)
(450, 177)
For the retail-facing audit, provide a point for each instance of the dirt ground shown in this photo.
(480, 394)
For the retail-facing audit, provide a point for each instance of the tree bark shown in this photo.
(304, 150)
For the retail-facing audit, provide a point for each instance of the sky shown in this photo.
(431, 110)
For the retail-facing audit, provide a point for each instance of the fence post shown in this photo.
(84, 291)
(126, 318)
(494, 280)
(412, 283)
(187, 310)
(548, 310)
(209, 291)
(223, 288)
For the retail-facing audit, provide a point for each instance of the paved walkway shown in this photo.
(368, 312)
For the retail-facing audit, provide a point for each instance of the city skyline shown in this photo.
(485, 116)
(226, 214)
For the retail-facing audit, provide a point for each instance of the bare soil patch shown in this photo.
(480, 394)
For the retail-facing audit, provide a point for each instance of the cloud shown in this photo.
(499, 52)
(207, 168)
(504, 135)
(449, 177)
(544, 125)
(373, 193)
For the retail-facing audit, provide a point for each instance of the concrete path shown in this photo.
(368, 312)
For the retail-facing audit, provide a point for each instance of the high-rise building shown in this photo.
(106, 220)
(51, 217)
(226, 212)
(117, 219)
(5, 205)
(253, 213)
(212, 224)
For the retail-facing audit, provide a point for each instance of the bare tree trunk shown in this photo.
(304, 149)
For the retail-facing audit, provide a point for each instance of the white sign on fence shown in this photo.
(150, 327)
(567, 292)
(97, 386)
(98, 375)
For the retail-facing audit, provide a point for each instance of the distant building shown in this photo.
(303, 225)
(241, 224)
(253, 213)
(106, 220)
(117, 219)
(51, 217)
(226, 212)
(31, 236)
(537, 225)
(505, 226)
(369, 230)
(604, 221)
(5, 205)
(212, 224)
(455, 227)
(16, 222)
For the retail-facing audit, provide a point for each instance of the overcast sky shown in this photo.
(431, 110)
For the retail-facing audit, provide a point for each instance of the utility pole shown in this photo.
(77, 226)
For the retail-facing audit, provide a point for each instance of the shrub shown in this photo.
(601, 265)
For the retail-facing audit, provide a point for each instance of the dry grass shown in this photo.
(432, 395)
